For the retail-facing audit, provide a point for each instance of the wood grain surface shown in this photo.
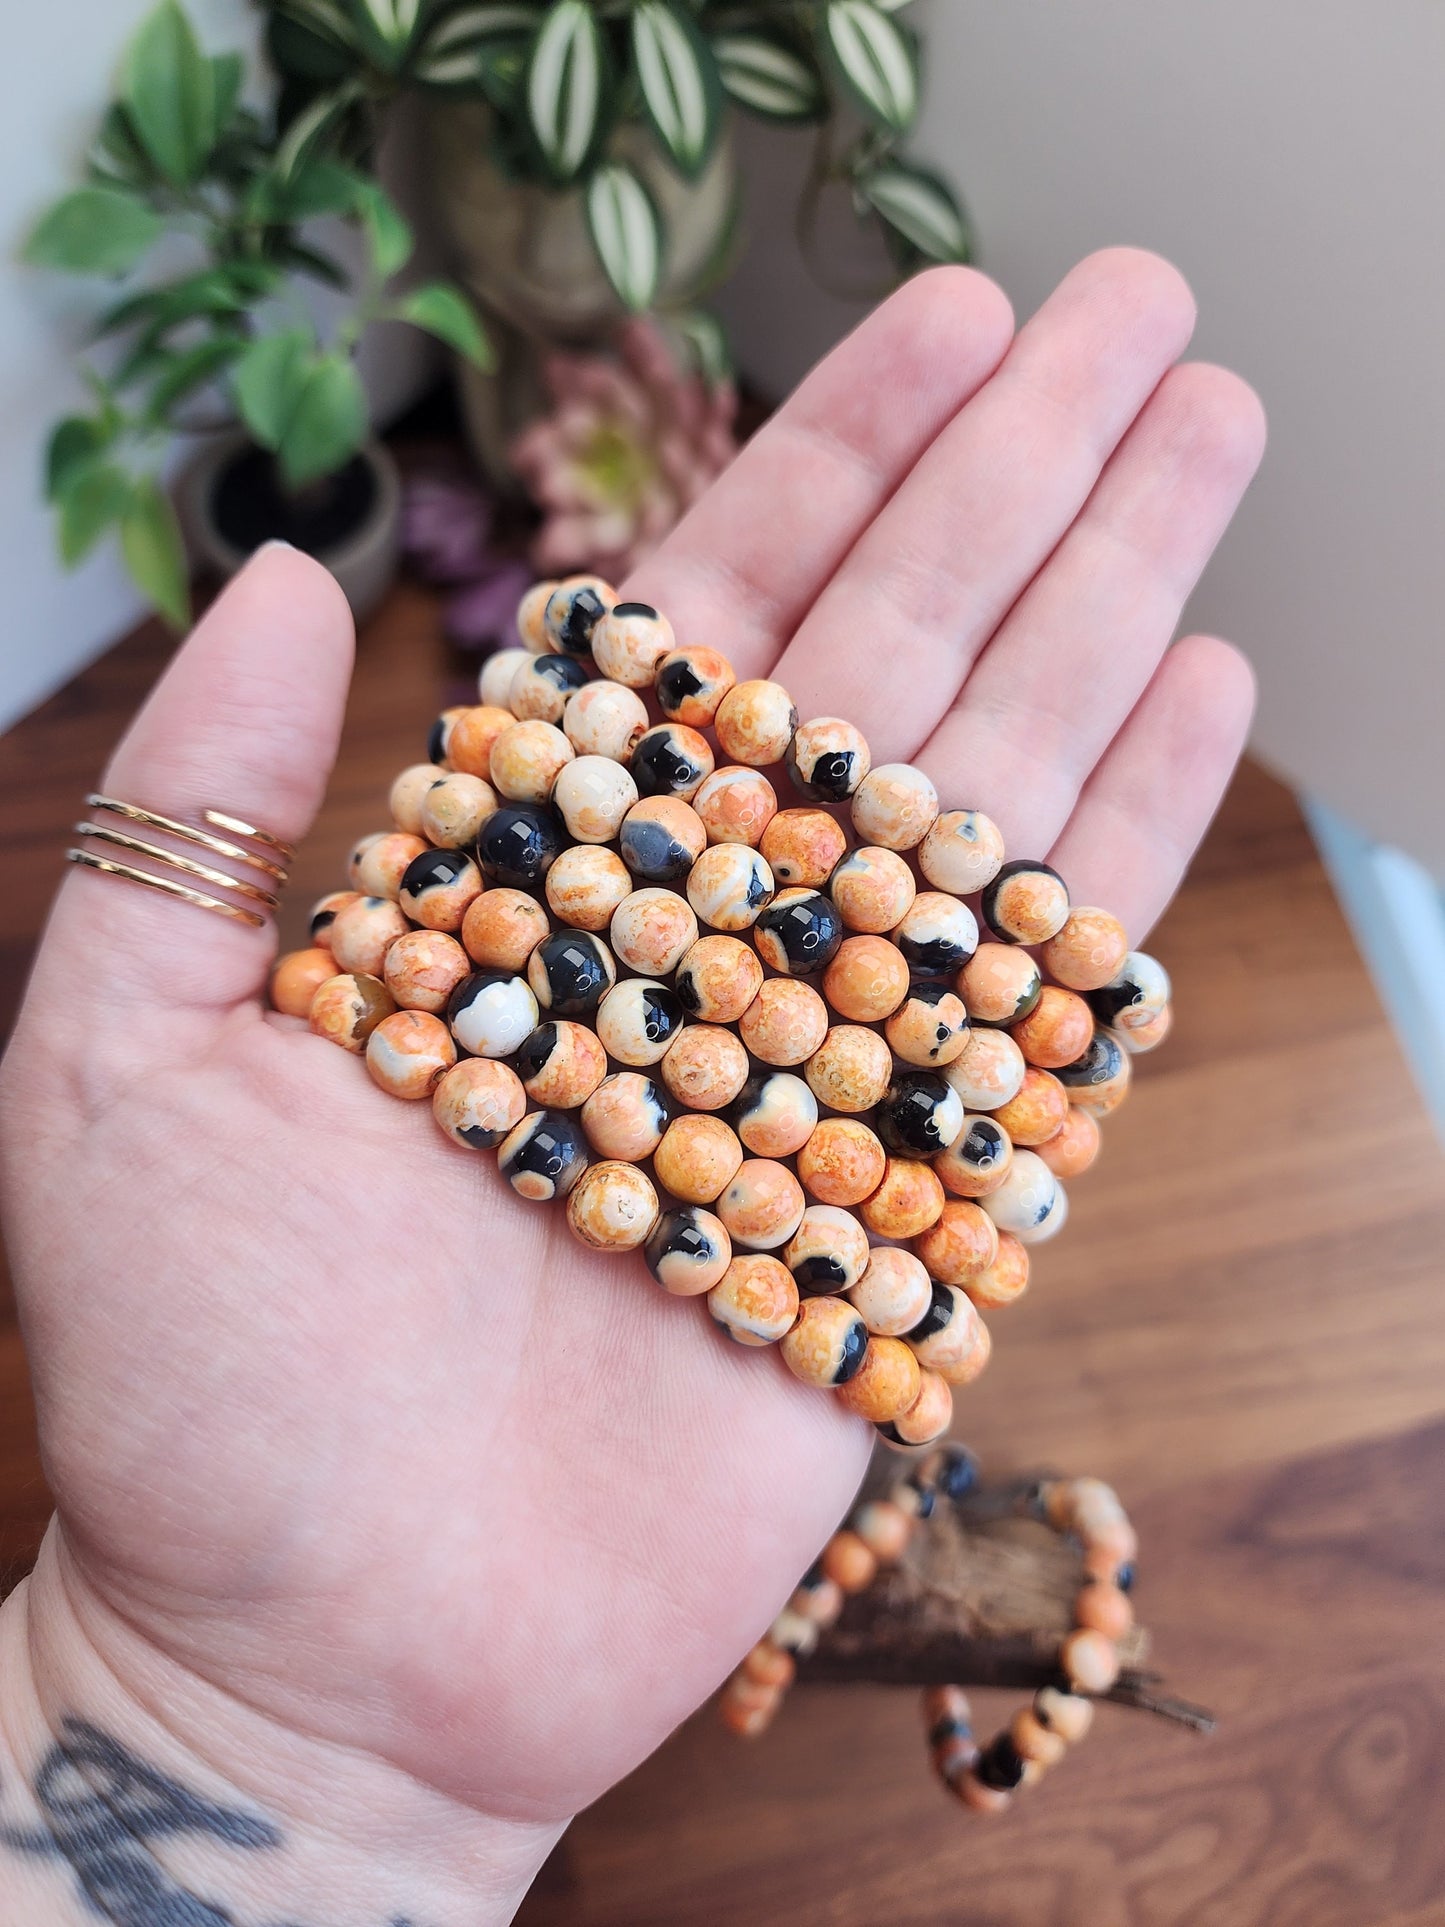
(1243, 1328)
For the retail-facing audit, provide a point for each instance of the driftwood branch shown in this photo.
(981, 1598)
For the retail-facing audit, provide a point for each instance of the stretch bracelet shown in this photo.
(813, 1052)
(877, 1534)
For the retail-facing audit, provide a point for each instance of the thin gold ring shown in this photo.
(257, 835)
(167, 888)
(217, 845)
(179, 862)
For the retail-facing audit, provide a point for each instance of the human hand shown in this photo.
(377, 1492)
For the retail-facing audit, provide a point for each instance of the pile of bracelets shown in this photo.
(876, 1535)
(595, 943)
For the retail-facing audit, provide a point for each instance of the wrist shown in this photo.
(127, 1781)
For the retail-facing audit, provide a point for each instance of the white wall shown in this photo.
(1290, 156)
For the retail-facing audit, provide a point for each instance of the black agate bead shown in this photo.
(671, 760)
(519, 844)
(543, 1157)
(920, 1115)
(798, 932)
(571, 972)
(688, 1251)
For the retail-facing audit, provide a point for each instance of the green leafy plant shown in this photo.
(561, 77)
(221, 335)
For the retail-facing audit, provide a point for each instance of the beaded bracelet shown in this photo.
(924, 1088)
(877, 1534)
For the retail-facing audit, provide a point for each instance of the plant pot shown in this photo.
(523, 253)
(229, 507)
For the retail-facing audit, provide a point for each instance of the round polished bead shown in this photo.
(774, 1114)
(842, 1162)
(763, 1205)
(803, 848)
(950, 1338)
(828, 1252)
(296, 978)
(494, 681)
(1000, 984)
(671, 760)
(927, 1418)
(728, 885)
(817, 1599)
(827, 1344)
(847, 1561)
(585, 886)
(382, 865)
(478, 1101)
(873, 889)
(1000, 1765)
(962, 852)
(439, 888)
(747, 1708)
(690, 685)
(895, 806)
(527, 760)
(689, 1251)
(918, 1115)
(473, 737)
(454, 810)
(1148, 1035)
(543, 1156)
(519, 844)
(612, 1207)
(502, 928)
(491, 1014)
(705, 1067)
(1098, 1081)
(1104, 1609)
(439, 736)
(406, 795)
(1027, 902)
(661, 838)
(625, 1116)
(1089, 1661)
(698, 1158)
(652, 930)
(867, 979)
(542, 686)
(785, 1023)
(894, 1293)
(593, 794)
(1090, 950)
(850, 1070)
(736, 805)
(423, 968)
(348, 1007)
(531, 617)
(769, 1665)
(1026, 1198)
(1066, 1714)
(1036, 1110)
(572, 612)
(1057, 1030)
(937, 936)
(978, 1160)
(323, 914)
(1004, 1280)
(885, 1385)
(799, 932)
(630, 642)
(827, 759)
(755, 1301)
(561, 1064)
(1050, 1226)
(755, 723)
(961, 1245)
(930, 1026)
(1135, 995)
(571, 972)
(908, 1200)
(717, 979)
(638, 1019)
(1032, 1739)
(363, 933)
(987, 1071)
(604, 719)
(408, 1052)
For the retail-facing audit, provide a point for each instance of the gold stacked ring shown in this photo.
(187, 866)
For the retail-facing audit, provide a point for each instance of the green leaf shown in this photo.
(875, 61)
(446, 313)
(169, 90)
(768, 78)
(679, 81)
(93, 500)
(469, 26)
(214, 291)
(269, 379)
(150, 541)
(388, 27)
(315, 120)
(565, 79)
(95, 230)
(921, 207)
(706, 342)
(117, 153)
(328, 423)
(626, 233)
(318, 47)
(387, 233)
(227, 73)
(187, 370)
(74, 444)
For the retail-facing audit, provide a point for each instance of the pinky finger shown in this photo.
(1152, 795)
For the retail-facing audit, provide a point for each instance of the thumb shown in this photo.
(244, 721)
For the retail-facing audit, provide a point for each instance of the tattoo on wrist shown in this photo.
(102, 1809)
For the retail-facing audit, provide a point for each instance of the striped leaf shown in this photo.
(626, 233)
(875, 62)
(309, 125)
(706, 344)
(677, 75)
(768, 79)
(322, 17)
(920, 207)
(394, 20)
(564, 87)
(472, 25)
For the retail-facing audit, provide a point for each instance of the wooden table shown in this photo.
(1243, 1327)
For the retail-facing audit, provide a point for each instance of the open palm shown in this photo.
(335, 1423)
